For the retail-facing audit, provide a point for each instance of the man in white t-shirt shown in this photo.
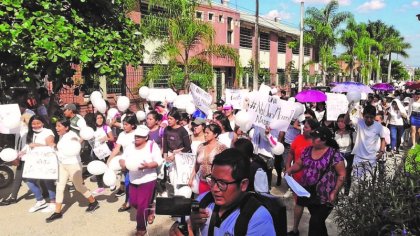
(77, 122)
(368, 133)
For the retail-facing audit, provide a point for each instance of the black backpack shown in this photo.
(250, 203)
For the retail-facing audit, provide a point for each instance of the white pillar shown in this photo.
(223, 76)
(277, 80)
(102, 85)
(247, 81)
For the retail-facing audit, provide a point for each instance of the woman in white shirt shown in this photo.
(414, 112)
(39, 139)
(103, 135)
(344, 139)
(142, 180)
(70, 168)
(396, 124)
(227, 137)
(197, 136)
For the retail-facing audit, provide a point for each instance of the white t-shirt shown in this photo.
(344, 142)
(41, 137)
(226, 138)
(64, 159)
(99, 135)
(125, 139)
(146, 155)
(365, 144)
(387, 134)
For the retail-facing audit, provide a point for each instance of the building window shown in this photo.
(307, 51)
(245, 38)
(295, 50)
(264, 41)
(230, 36)
(199, 15)
(230, 23)
(211, 16)
(282, 45)
(221, 18)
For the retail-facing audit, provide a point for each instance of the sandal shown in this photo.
(124, 207)
(151, 218)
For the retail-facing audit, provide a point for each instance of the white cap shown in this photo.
(407, 100)
(141, 131)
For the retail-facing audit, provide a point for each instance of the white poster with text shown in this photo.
(336, 104)
(185, 163)
(202, 99)
(40, 165)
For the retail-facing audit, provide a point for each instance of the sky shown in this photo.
(399, 13)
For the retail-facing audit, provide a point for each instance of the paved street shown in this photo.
(16, 220)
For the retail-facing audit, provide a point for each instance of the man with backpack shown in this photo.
(228, 209)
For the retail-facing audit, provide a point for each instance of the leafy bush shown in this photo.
(386, 203)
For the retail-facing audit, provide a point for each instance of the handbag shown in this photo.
(314, 199)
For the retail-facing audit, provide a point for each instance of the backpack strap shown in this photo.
(206, 200)
(248, 207)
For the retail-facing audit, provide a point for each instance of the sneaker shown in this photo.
(293, 233)
(54, 216)
(9, 201)
(93, 206)
(38, 206)
(120, 193)
(98, 191)
(49, 208)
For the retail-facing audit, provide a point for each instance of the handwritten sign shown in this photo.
(235, 97)
(336, 104)
(202, 99)
(40, 165)
(185, 162)
(265, 109)
(9, 116)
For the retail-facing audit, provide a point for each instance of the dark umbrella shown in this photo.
(414, 86)
(383, 87)
(311, 96)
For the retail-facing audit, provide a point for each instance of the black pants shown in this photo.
(349, 168)
(319, 214)
(278, 165)
(17, 182)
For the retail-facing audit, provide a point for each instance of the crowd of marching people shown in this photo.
(325, 156)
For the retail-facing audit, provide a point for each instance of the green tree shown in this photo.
(321, 27)
(43, 38)
(186, 42)
(395, 44)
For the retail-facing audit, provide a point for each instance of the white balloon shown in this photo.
(354, 96)
(100, 105)
(171, 96)
(110, 178)
(97, 167)
(184, 191)
(11, 123)
(87, 133)
(299, 109)
(114, 164)
(242, 118)
(69, 148)
(141, 115)
(292, 99)
(133, 163)
(190, 108)
(123, 103)
(246, 127)
(144, 92)
(278, 149)
(363, 96)
(277, 124)
(8, 154)
(112, 112)
(95, 95)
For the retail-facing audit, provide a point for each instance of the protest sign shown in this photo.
(235, 97)
(336, 104)
(9, 118)
(265, 109)
(185, 162)
(202, 99)
(40, 165)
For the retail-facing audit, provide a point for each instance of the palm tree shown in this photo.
(349, 39)
(321, 29)
(395, 44)
(379, 32)
(187, 43)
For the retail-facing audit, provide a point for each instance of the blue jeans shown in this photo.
(396, 134)
(36, 190)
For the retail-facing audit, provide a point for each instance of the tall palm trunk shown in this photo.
(378, 69)
(370, 66)
(389, 68)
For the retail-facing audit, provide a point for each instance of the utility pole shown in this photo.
(257, 47)
(301, 48)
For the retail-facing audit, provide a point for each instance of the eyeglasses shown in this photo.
(222, 185)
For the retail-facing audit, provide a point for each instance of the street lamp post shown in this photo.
(300, 77)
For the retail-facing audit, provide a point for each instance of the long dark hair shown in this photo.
(224, 121)
(30, 129)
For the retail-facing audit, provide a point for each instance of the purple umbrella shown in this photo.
(383, 87)
(348, 86)
(311, 96)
